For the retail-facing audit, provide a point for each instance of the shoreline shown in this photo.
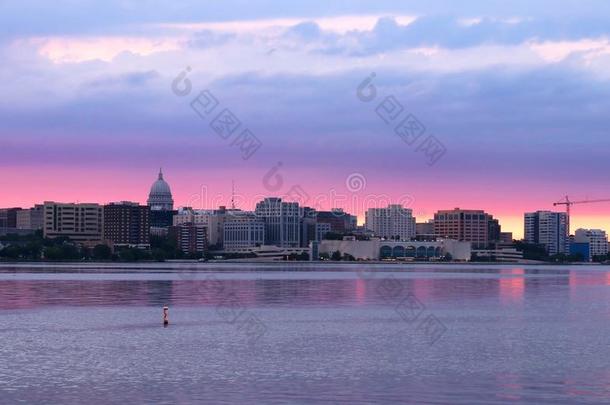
(275, 263)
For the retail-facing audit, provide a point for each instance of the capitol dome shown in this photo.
(160, 197)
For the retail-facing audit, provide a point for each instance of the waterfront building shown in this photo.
(581, 249)
(82, 223)
(213, 220)
(191, 238)
(377, 249)
(31, 218)
(549, 229)
(282, 221)
(127, 224)
(506, 238)
(322, 229)
(243, 231)
(500, 254)
(596, 239)
(474, 226)
(8, 217)
(425, 230)
(339, 221)
(391, 222)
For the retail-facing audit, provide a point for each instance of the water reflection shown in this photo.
(509, 286)
(514, 334)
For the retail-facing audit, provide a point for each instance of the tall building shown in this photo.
(8, 217)
(127, 223)
(425, 231)
(391, 222)
(474, 226)
(191, 238)
(595, 238)
(549, 229)
(213, 220)
(31, 218)
(160, 196)
(281, 220)
(243, 231)
(82, 223)
(339, 221)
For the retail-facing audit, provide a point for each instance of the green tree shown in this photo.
(101, 252)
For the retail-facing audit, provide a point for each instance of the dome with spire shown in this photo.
(160, 197)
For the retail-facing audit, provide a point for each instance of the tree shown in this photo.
(348, 258)
(101, 252)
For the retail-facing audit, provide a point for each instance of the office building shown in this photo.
(339, 221)
(474, 226)
(425, 231)
(127, 224)
(596, 239)
(243, 231)
(82, 223)
(30, 218)
(213, 220)
(549, 229)
(392, 222)
(281, 219)
(191, 238)
(8, 217)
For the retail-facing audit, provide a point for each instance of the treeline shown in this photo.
(36, 248)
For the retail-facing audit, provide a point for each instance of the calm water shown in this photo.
(304, 334)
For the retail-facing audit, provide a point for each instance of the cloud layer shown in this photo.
(519, 96)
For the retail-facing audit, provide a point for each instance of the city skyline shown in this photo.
(352, 201)
(96, 103)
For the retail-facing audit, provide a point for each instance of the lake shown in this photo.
(304, 334)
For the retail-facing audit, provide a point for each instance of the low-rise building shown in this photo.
(30, 218)
(377, 249)
(595, 238)
(8, 217)
(82, 223)
(191, 238)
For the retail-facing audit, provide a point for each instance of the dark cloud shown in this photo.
(453, 33)
(132, 79)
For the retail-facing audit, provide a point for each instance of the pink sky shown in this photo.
(27, 186)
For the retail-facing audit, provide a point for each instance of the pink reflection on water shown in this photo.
(512, 285)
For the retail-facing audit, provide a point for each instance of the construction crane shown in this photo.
(569, 203)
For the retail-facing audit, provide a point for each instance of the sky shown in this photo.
(507, 103)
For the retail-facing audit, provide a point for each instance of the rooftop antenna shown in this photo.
(232, 194)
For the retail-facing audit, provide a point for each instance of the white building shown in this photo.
(160, 196)
(596, 238)
(242, 230)
(282, 221)
(376, 249)
(393, 221)
(213, 220)
(83, 223)
(550, 229)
